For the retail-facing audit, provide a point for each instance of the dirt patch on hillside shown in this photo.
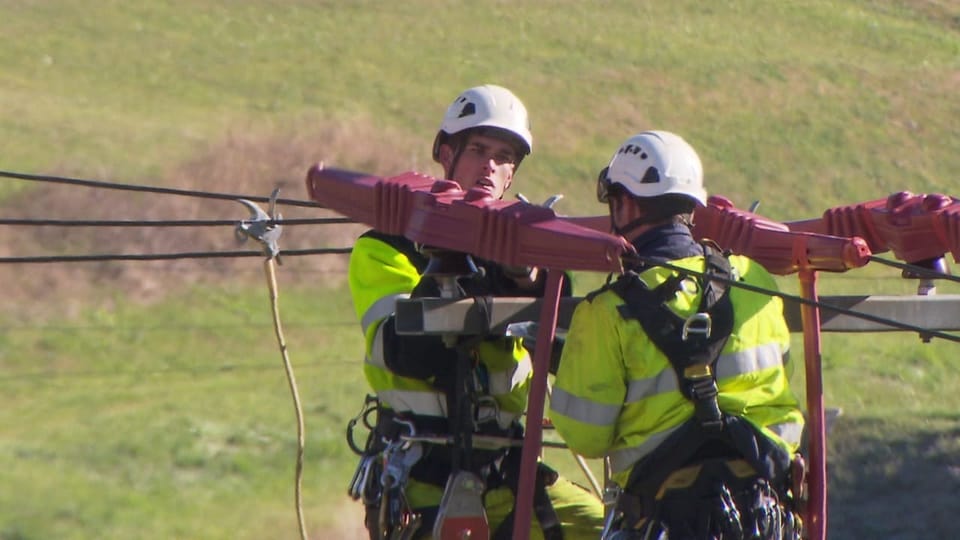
(245, 163)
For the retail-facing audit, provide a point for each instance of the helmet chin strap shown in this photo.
(633, 225)
(629, 227)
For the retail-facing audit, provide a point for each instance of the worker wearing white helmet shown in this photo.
(483, 137)
(662, 173)
(677, 379)
(487, 110)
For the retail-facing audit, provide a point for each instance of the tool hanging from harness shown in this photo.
(711, 451)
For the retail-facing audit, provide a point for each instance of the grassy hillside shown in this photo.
(147, 400)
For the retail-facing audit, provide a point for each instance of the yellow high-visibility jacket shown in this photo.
(385, 268)
(616, 393)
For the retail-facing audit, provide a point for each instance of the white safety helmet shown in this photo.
(655, 163)
(487, 106)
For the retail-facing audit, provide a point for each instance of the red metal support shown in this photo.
(816, 505)
(535, 405)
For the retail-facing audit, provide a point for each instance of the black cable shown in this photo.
(165, 223)
(920, 271)
(843, 311)
(168, 256)
(152, 189)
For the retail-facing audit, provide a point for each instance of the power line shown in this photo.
(844, 311)
(919, 271)
(169, 328)
(152, 189)
(164, 223)
(228, 254)
(165, 256)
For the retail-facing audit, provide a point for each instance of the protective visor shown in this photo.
(603, 186)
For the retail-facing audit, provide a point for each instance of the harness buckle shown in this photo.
(486, 410)
(613, 516)
(399, 457)
(697, 372)
(698, 323)
(701, 388)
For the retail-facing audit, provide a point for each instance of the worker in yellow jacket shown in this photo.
(676, 378)
(482, 139)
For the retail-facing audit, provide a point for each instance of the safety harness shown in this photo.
(387, 463)
(465, 472)
(693, 345)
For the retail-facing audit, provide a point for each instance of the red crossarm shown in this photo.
(439, 213)
(779, 249)
(915, 227)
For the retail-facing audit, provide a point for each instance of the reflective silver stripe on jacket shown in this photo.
(757, 358)
(428, 403)
(790, 432)
(584, 410)
(728, 365)
(503, 382)
(418, 402)
(377, 357)
(623, 459)
(380, 309)
(661, 383)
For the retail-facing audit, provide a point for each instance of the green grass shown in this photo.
(151, 423)
(168, 416)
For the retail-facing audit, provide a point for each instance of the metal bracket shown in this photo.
(549, 203)
(262, 226)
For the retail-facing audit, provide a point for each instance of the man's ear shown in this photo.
(446, 158)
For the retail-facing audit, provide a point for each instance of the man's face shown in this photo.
(486, 163)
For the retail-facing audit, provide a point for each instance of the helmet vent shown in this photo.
(468, 110)
(652, 176)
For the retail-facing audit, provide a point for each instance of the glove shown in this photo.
(527, 331)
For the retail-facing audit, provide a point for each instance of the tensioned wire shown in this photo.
(799, 299)
(152, 189)
(917, 270)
